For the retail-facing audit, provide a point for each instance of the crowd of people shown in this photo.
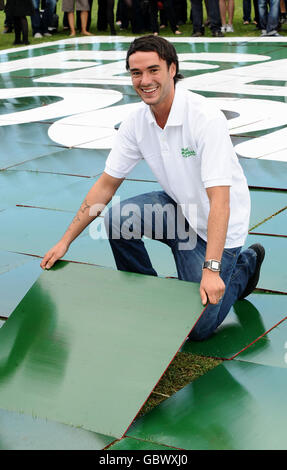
(140, 15)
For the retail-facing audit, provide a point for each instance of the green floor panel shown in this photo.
(82, 162)
(15, 283)
(236, 406)
(34, 231)
(72, 196)
(273, 275)
(136, 444)
(79, 162)
(264, 204)
(17, 152)
(28, 133)
(270, 350)
(17, 187)
(9, 261)
(66, 349)
(246, 322)
(265, 173)
(277, 225)
(22, 432)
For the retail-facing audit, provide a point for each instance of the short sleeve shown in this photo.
(216, 150)
(125, 153)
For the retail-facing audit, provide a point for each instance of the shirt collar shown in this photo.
(176, 113)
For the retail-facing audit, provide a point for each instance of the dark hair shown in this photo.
(161, 46)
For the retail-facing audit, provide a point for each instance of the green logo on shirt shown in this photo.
(185, 153)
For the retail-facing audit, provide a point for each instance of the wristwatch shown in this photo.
(213, 265)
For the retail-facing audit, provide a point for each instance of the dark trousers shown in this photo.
(180, 9)
(247, 10)
(124, 13)
(213, 14)
(106, 15)
(169, 12)
(20, 26)
(9, 22)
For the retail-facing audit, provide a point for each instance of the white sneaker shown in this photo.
(273, 33)
(38, 36)
(229, 28)
(263, 32)
(223, 28)
(47, 35)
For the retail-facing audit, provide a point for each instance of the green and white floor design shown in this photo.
(60, 105)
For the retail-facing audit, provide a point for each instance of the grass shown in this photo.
(184, 369)
(6, 40)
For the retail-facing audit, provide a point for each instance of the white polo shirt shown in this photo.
(193, 152)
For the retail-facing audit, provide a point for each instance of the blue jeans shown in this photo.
(41, 24)
(269, 20)
(131, 255)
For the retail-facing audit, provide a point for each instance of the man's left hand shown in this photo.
(212, 287)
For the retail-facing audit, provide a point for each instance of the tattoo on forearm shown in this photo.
(84, 206)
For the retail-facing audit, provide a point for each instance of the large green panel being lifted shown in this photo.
(137, 444)
(87, 345)
(273, 275)
(15, 283)
(247, 321)
(270, 350)
(22, 432)
(236, 406)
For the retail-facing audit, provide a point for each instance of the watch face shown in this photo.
(214, 264)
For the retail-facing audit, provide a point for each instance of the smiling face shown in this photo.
(152, 79)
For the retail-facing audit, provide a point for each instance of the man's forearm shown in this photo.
(94, 203)
(212, 286)
(217, 230)
(81, 220)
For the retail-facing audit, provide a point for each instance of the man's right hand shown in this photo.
(55, 253)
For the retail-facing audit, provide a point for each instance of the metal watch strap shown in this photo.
(212, 264)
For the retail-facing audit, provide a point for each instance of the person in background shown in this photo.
(213, 16)
(226, 8)
(8, 24)
(18, 10)
(283, 19)
(82, 6)
(123, 14)
(41, 23)
(269, 17)
(168, 8)
(106, 16)
(247, 12)
(78, 17)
